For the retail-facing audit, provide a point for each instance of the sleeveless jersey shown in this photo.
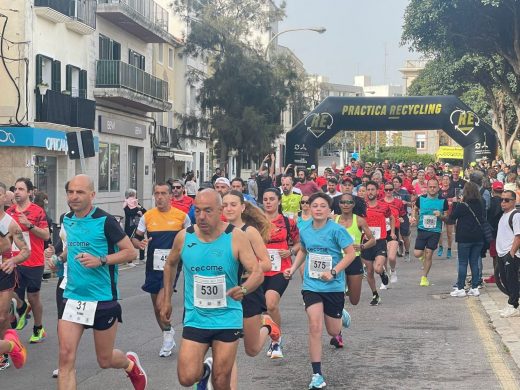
(353, 230)
(427, 205)
(210, 269)
(376, 219)
(4, 229)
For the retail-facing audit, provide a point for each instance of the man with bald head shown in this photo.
(211, 251)
(95, 245)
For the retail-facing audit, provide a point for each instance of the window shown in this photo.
(160, 53)
(109, 167)
(170, 57)
(136, 59)
(109, 49)
(420, 141)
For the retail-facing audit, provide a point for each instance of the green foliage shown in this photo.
(396, 154)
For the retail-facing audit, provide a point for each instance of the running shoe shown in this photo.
(13, 314)
(275, 332)
(345, 318)
(317, 382)
(270, 350)
(439, 251)
(4, 362)
(490, 280)
(509, 312)
(448, 254)
(55, 373)
(168, 343)
(400, 248)
(407, 257)
(506, 308)
(24, 315)
(384, 278)
(393, 277)
(473, 292)
(421, 258)
(337, 341)
(459, 293)
(424, 282)
(383, 287)
(137, 375)
(376, 300)
(19, 354)
(205, 384)
(38, 335)
(277, 351)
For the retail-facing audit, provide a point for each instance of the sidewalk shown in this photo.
(493, 300)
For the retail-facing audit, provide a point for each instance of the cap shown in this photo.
(347, 178)
(497, 186)
(223, 180)
(447, 164)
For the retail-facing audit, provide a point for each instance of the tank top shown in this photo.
(353, 230)
(210, 270)
(4, 228)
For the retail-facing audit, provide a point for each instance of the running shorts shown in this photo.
(355, 268)
(254, 304)
(7, 281)
(276, 282)
(428, 240)
(106, 314)
(207, 336)
(30, 279)
(379, 249)
(333, 302)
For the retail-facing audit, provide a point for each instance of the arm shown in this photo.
(298, 261)
(41, 231)
(259, 248)
(9, 265)
(138, 240)
(363, 225)
(170, 269)
(349, 254)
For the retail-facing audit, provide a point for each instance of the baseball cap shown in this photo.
(223, 180)
(497, 186)
(347, 179)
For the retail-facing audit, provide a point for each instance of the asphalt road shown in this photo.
(418, 338)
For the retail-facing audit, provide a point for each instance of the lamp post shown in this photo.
(319, 30)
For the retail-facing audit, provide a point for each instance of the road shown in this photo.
(418, 338)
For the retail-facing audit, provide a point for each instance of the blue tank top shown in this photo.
(210, 269)
(427, 206)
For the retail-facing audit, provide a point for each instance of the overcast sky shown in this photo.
(355, 40)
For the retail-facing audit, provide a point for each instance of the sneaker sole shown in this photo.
(165, 353)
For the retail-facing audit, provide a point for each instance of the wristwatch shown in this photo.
(103, 260)
(362, 246)
(333, 273)
(31, 226)
(244, 290)
(291, 251)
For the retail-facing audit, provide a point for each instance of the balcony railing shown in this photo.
(83, 11)
(117, 74)
(66, 110)
(148, 9)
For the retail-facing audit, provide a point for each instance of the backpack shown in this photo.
(511, 219)
(288, 228)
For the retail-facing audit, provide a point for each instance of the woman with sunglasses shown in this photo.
(326, 251)
(305, 214)
(397, 207)
(257, 328)
(283, 232)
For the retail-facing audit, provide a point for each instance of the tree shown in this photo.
(475, 45)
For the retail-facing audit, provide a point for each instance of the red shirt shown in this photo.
(376, 219)
(308, 188)
(37, 217)
(278, 240)
(407, 183)
(184, 204)
(321, 181)
(397, 209)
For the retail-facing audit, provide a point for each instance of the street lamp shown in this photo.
(319, 30)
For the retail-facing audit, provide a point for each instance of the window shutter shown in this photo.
(39, 61)
(116, 54)
(56, 76)
(68, 78)
(83, 84)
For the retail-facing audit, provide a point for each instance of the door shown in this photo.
(132, 167)
(45, 179)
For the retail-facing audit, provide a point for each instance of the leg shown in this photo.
(224, 354)
(333, 325)
(474, 257)
(255, 335)
(392, 253)
(5, 321)
(418, 252)
(315, 316)
(156, 298)
(36, 307)
(69, 335)
(354, 287)
(272, 300)
(234, 376)
(428, 254)
(370, 275)
(190, 367)
(463, 257)
(107, 356)
(449, 234)
(379, 264)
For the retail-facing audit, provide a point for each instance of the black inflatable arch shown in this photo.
(337, 114)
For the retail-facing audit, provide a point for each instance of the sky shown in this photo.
(357, 33)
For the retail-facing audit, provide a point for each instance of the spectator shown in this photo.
(133, 213)
(191, 185)
(252, 187)
(218, 173)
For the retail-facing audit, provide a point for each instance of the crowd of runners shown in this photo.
(237, 246)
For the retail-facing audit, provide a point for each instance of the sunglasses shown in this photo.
(176, 187)
(346, 202)
(304, 202)
(389, 189)
(507, 200)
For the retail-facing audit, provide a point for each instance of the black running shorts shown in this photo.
(379, 249)
(333, 302)
(207, 336)
(355, 268)
(428, 240)
(276, 282)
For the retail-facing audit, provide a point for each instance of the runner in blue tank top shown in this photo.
(211, 251)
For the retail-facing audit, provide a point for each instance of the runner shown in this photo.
(392, 232)
(90, 297)
(447, 192)
(222, 186)
(283, 232)
(161, 224)
(239, 185)
(326, 250)
(432, 210)
(178, 199)
(10, 233)
(305, 216)
(257, 328)
(290, 199)
(375, 257)
(404, 228)
(211, 251)
(33, 222)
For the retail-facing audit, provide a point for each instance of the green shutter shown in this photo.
(116, 51)
(68, 78)
(83, 84)
(56, 76)
(39, 60)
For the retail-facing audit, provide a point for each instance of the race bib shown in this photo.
(429, 221)
(27, 239)
(319, 264)
(159, 259)
(63, 283)
(376, 232)
(276, 260)
(210, 292)
(388, 226)
(80, 312)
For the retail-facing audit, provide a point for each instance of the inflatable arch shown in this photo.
(337, 114)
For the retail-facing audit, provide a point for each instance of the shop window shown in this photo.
(109, 167)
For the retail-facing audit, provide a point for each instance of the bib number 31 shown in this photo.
(80, 312)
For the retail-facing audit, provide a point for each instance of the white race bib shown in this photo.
(376, 232)
(388, 225)
(210, 292)
(319, 264)
(63, 283)
(27, 239)
(429, 221)
(80, 312)
(159, 259)
(276, 260)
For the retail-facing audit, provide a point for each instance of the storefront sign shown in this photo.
(111, 125)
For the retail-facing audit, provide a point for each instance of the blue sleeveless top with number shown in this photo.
(427, 221)
(210, 269)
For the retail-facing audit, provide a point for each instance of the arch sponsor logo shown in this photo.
(464, 121)
(318, 124)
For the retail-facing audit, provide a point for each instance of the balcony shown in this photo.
(143, 18)
(78, 15)
(66, 110)
(168, 145)
(129, 86)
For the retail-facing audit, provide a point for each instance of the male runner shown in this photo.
(161, 224)
(33, 221)
(290, 199)
(178, 199)
(10, 233)
(432, 210)
(96, 244)
(211, 251)
(404, 229)
(398, 211)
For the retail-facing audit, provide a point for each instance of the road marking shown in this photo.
(500, 368)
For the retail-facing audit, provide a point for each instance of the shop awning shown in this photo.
(450, 153)
(176, 154)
